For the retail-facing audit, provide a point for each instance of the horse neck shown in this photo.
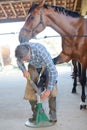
(63, 24)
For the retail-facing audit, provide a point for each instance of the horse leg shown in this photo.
(61, 58)
(83, 83)
(75, 75)
(79, 70)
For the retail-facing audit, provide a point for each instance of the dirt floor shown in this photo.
(14, 110)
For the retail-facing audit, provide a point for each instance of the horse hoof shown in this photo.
(82, 106)
(73, 91)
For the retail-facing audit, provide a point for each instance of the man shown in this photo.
(37, 55)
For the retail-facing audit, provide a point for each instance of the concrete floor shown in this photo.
(14, 110)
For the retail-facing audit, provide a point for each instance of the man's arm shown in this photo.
(53, 74)
(22, 68)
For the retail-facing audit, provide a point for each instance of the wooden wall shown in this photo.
(84, 7)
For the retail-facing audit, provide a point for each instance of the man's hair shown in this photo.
(21, 51)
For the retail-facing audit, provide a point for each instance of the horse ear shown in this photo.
(41, 3)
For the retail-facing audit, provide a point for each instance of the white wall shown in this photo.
(9, 37)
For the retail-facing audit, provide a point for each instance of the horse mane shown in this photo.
(64, 10)
(60, 9)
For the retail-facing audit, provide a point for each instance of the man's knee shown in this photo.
(54, 91)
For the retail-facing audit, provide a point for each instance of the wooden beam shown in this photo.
(84, 7)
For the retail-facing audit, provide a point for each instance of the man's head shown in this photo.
(22, 52)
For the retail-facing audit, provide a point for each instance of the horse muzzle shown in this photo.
(23, 36)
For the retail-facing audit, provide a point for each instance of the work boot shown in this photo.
(33, 108)
(53, 121)
(32, 119)
(52, 109)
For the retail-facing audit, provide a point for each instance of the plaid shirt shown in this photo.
(41, 57)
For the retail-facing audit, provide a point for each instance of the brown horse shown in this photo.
(69, 24)
(76, 73)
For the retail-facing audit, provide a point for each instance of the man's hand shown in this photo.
(26, 74)
(45, 95)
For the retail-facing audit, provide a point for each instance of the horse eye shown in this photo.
(32, 17)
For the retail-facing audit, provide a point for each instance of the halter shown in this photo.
(40, 23)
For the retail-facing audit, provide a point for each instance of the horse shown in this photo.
(76, 73)
(72, 27)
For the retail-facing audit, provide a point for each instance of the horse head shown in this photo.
(34, 23)
(42, 15)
